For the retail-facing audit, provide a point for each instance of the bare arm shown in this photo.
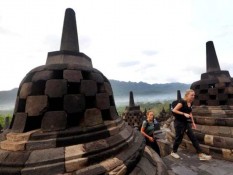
(193, 123)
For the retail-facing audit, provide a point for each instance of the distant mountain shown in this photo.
(8, 96)
(122, 88)
(143, 92)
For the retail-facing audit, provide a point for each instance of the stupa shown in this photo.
(213, 108)
(65, 121)
(132, 114)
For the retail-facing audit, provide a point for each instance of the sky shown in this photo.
(154, 41)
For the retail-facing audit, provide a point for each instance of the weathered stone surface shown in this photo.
(93, 117)
(25, 90)
(56, 88)
(108, 88)
(74, 152)
(43, 75)
(102, 101)
(16, 159)
(209, 139)
(38, 160)
(75, 164)
(96, 145)
(72, 75)
(19, 123)
(48, 123)
(12, 146)
(96, 77)
(88, 87)
(41, 157)
(113, 112)
(74, 103)
(36, 105)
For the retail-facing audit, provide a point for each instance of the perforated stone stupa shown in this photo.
(65, 121)
(132, 114)
(213, 110)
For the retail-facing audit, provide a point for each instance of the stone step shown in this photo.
(219, 153)
(213, 121)
(12, 146)
(223, 131)
(212, 140)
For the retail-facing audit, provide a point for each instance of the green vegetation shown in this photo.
(2, 119)
(156, 107)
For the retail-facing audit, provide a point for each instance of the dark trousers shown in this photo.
(181, 128)
(153, 145)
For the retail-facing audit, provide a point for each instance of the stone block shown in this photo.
(220, 121)
(213, 102)
(96, 145)
(96, 77)
(43, 75)
(12, 146)
(94, 169)
(225, 131)
(227, 154)
(56, 88)
(76, 164)
(93, 117)
(54, 121)
(212, 91)
(222, 97)
(88, 87)
(25, 90)
(36, 105)
(74, 152)
(108, 88)
(46, 161)
(48, 143)
(41, 157)
(102, 101)
(74, 103)
(203, 97)
(19, 122)
(110, 164)
(3, 155)
(16, 159)
(72, 75)
(219, 142)
(113, 112)
(209, 139)
(228, 90)
(220, 85)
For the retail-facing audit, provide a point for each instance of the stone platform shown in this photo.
(189, 164)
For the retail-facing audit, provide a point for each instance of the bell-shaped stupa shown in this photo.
(132, 114)
(65, 120)
(213, 108)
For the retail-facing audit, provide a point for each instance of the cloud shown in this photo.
(150, 52)
(4, 31)
(128, 64)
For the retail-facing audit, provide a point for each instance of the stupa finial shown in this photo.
(69, 40)
(212, 63)
(178, 95)
(131, 99)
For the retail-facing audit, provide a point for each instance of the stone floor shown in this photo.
(189, 164)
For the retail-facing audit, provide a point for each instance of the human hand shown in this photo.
(186, 115)
(151, 139)
(194, 126)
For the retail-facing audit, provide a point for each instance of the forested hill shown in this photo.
(121, 88)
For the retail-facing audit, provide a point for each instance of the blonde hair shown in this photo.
(188, 92)
(147, 113)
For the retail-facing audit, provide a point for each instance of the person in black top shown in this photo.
(183, 124)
